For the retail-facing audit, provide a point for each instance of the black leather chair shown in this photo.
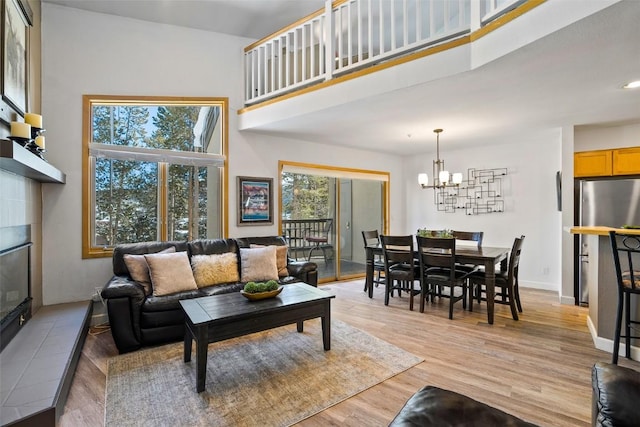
(626, 252)
(436, 407)
(616, 393)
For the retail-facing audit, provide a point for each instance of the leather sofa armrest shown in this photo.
(434, 407)
(124, 303)
(616, 393)
(304, 270)
(123, 286)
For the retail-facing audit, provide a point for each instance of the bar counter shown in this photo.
(603, 285)
(602, 230)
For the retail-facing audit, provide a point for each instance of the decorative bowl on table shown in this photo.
(257, 291)
(261, 295)
(423, 232)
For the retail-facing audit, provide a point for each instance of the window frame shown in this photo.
(89, 249)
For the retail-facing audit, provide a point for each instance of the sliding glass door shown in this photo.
(361, 205)
(324, 211)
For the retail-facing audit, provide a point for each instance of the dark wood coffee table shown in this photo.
(220, 317)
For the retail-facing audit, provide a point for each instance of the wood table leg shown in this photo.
(490, 284)
(300, 326)
(202, 345)
(326, 328)
(188, 341)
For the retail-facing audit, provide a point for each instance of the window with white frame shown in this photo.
(153, 169)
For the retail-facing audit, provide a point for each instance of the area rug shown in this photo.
(273, 378)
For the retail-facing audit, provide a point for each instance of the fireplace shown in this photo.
(15, 280)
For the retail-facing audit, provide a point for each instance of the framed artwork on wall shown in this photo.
(255, 201)
(16, 19)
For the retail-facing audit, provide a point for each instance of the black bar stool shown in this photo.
(626, 251)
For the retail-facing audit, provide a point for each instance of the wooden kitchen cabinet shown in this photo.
(626, 161)
(593, 163)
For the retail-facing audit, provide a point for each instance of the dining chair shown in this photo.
(470, 236)
(400, 269)
(507, 286)
(437, 258)
(474, 237)
(372, 238)
(626, 253)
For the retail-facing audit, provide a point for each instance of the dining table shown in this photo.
(487, 256)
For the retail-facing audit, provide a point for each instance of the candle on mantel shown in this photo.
(21, 130)
(40, 141)
(33, 119)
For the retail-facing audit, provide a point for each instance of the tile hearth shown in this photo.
(37, 366)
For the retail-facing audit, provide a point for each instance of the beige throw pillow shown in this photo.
(281, 258)
(258, 264)
(170, 273)
(215, 269)
(139, 269)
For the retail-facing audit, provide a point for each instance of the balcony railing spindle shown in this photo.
(359, 33)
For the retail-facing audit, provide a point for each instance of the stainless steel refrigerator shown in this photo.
(606, 202)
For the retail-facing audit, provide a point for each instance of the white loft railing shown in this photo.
(352, 34)
(491, 9)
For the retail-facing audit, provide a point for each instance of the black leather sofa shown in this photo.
(436, 407)
(616, 396)
(138, 320)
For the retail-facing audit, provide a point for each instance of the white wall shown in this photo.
(258, 155)
(530, 201)
(604, 137)
(89, 53)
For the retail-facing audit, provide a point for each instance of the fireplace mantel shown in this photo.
(17, 159)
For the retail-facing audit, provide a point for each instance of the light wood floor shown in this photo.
(538, 368)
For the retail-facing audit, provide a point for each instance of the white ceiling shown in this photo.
(571, 77)
(253, 19)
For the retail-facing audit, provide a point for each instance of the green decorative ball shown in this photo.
(255, 287)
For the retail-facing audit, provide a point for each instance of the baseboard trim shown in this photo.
(567, 300)
(606, 344)
(545, 286)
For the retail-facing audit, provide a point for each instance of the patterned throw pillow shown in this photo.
(281, 258)
(170, 273)
(139, 269)
(258, 264)
(215, 269)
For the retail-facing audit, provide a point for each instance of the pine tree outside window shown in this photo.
(153, 169)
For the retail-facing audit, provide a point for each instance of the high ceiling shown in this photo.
(253, 19)
(571, 77)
